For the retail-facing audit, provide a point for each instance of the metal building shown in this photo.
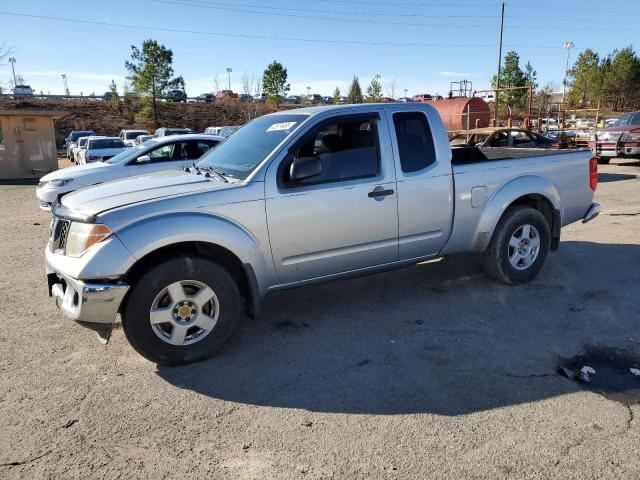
(27, 143)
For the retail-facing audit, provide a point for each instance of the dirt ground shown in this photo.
(433, 371)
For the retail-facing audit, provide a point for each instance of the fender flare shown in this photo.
(153, 233)
(505, 196)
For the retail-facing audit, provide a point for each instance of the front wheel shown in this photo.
(181, 311)
(519, 246)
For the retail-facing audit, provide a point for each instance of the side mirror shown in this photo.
(305, 167)
(143, 159)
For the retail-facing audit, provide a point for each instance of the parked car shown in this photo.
(22, 91)
(227, 131)
(260, 98)
(422, 97)
(621, 139)
(206, 98)
(176, 95)
(80, 145)
(140, 139)
(163, 132)
(404, 100)
(226, 94)
(212, 130)
(100, 149)
(327, 99)
(129, 136)
(108, 96)
(314, 98)
(505, 137)
(293, 99)
(167, 153)
(488, 97)
(72, 139)
(294, 198)
(245, 97)
(386, 100)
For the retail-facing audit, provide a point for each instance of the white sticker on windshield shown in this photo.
(276, 127)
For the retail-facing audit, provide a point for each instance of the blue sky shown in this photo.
(422, 45)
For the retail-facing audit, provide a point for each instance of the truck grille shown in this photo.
(59, 233)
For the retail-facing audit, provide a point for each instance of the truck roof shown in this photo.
(354, 107)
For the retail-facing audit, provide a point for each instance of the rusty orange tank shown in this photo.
(461, 113)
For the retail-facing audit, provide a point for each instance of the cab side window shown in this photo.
(415, 142)
(163, 153)
(348, 149)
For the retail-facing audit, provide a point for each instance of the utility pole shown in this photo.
(12, 61)
(497, 102)
(405, 93)
(228, 70)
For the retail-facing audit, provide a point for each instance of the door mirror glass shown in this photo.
(143, 159)
(305, 167)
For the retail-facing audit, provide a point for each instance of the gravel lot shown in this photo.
(428, 372)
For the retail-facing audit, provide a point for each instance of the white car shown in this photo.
(22, 91)
(167, 153)
(140, 139)
(76, 150)
(212, 130)
(129, 136)
(100, 148)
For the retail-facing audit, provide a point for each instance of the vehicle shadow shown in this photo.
(614, 177)
(435, 338)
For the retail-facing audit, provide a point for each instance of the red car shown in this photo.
(226, 94)
(622, 139)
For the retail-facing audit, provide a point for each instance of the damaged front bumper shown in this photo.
(86, 301)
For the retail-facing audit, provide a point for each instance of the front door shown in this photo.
(345, 218)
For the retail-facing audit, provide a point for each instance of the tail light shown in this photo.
(593, 173)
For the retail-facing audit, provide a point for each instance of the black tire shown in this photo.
(603, 161)
(136, 321)
(495, 260)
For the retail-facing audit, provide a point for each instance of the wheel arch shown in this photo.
(534, 191)
(177, 234)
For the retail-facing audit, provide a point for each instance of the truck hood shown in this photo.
(620, 128)
(107, 196)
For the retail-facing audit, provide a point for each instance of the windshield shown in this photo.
(131, 134)
(243, 151)
(82, 142)
(106, 143)
(125, 154)
(628, 119)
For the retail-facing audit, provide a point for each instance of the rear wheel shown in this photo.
(603, 160)
(182, 311)
(519, 246)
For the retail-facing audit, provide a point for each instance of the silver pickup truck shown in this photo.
(299, 197)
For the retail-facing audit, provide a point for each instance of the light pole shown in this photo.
(65, 84)
(308, 94)
(228, 70)
(405, 92)
(568, 46)
(12, 61)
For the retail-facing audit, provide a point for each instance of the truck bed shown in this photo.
(467, 155)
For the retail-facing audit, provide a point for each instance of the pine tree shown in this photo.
(113, 89)
(336, 96)
(355, 91)
(374, 91)
(151, 72)
(274, 82)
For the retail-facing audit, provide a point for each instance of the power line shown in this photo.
(316, 10)
(410, 4)
(248, 36)
(316, 17)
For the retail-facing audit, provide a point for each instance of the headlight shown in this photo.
(630, 137)
(61, 182)
(82, 236)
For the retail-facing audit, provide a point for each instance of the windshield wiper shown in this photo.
(217, 173)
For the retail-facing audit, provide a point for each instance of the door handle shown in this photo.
(380, 193)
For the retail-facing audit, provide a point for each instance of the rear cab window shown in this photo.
(415, 141)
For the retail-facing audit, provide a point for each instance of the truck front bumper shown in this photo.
(592, 213)
(84, 301)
